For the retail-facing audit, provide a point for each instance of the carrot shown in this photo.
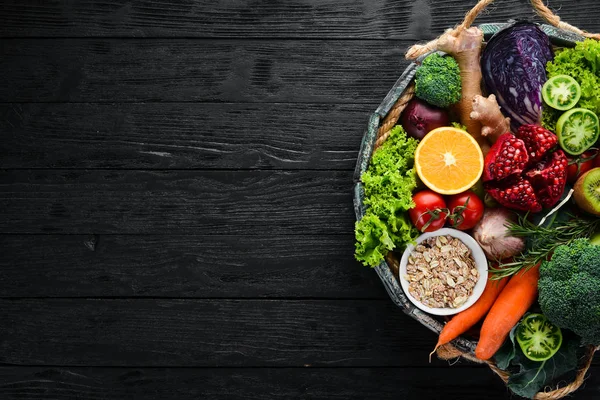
(464, 320)
(514, 301)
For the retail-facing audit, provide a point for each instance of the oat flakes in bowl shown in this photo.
(444, 273)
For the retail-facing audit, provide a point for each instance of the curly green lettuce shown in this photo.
(388, 183)
(582, 63)
(458, 125)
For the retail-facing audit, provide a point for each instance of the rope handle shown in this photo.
(540, 8)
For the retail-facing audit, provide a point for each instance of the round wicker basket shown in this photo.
(386, 116)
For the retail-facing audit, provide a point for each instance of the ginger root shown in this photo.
(487, 111)
(465, 46)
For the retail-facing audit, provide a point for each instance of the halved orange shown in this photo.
(448, 160)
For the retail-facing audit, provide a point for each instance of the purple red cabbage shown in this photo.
(513, 65)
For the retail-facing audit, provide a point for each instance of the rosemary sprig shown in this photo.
(546, 240)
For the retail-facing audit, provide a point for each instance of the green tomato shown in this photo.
(561, 92)
(538, 338)
(577, 130)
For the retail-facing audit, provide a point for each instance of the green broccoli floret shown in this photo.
(569, 289)
(437, 81)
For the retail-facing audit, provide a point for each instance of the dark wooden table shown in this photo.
(176, 216)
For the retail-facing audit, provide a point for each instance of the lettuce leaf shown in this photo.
(388, 183)
(373, 240)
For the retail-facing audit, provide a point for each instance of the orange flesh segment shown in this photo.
(449, 160)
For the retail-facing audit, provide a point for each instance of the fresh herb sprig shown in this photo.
(545, 240)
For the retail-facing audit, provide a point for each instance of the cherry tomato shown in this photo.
(466, 209)
(429, 213)
(584, 162)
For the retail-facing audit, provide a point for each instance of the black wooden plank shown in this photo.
(465, 383)
(167, 202)
(273, 266)
(210, 333)
(181, 135)
(415, 19)
(111, 70)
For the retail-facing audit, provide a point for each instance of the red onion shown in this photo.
(419, 117)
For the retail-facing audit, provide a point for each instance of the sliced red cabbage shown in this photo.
(513, 65)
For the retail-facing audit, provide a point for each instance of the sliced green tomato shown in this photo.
(561, 92)
(538, 338)
(577, 130)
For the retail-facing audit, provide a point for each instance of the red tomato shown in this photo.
(430, 211)
(583, 163)
(466, 209)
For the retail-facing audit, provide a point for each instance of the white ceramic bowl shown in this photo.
(480, 263)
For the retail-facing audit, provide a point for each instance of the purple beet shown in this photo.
(419, 117)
